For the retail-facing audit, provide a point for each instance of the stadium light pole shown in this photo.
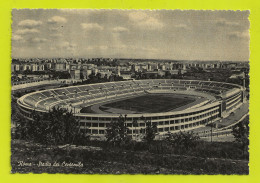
(125, 129)
(211, 133)
(211, 128)
(135, 123)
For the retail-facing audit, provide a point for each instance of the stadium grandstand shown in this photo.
(220, 99)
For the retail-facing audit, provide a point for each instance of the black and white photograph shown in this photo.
(110, 91)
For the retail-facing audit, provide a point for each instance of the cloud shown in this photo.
(77, 11)
(91, 27)
(152, 50)
(26, 31)
(138, 16)
(63, 44)
(39, 40)
(181, 26)
(120, 29)
(71, 47)
(103, 47)
(224, 22)
(56, 35)
(142, 49)
(57, 19)
(144, 21)
(238, 35)
(100, 47)
(16, 37)
(66, 46)
(28, 23)
(54, 28)
(123, 46)
(152, 23)
(53, 48)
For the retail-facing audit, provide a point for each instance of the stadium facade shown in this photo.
(222, 99)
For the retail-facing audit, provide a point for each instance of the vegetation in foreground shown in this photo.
(205, 158)
(55, 145)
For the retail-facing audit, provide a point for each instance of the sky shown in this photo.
(157, 34)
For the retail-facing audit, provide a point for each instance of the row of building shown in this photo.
(81, 69)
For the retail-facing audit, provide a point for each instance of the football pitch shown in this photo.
(151, 103)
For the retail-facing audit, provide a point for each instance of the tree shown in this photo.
(98, 76)
(150, 132)
(117, 132)
(81, 74)
(135, 124)
(241, 134)
(58, 126)
(61, 74)
(21, 131)
(182, 140)
(62, 125)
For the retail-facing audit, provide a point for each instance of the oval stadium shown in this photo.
(174, 105)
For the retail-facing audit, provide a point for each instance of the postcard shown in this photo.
(110, 91)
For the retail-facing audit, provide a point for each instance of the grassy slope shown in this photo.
(116, 161)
